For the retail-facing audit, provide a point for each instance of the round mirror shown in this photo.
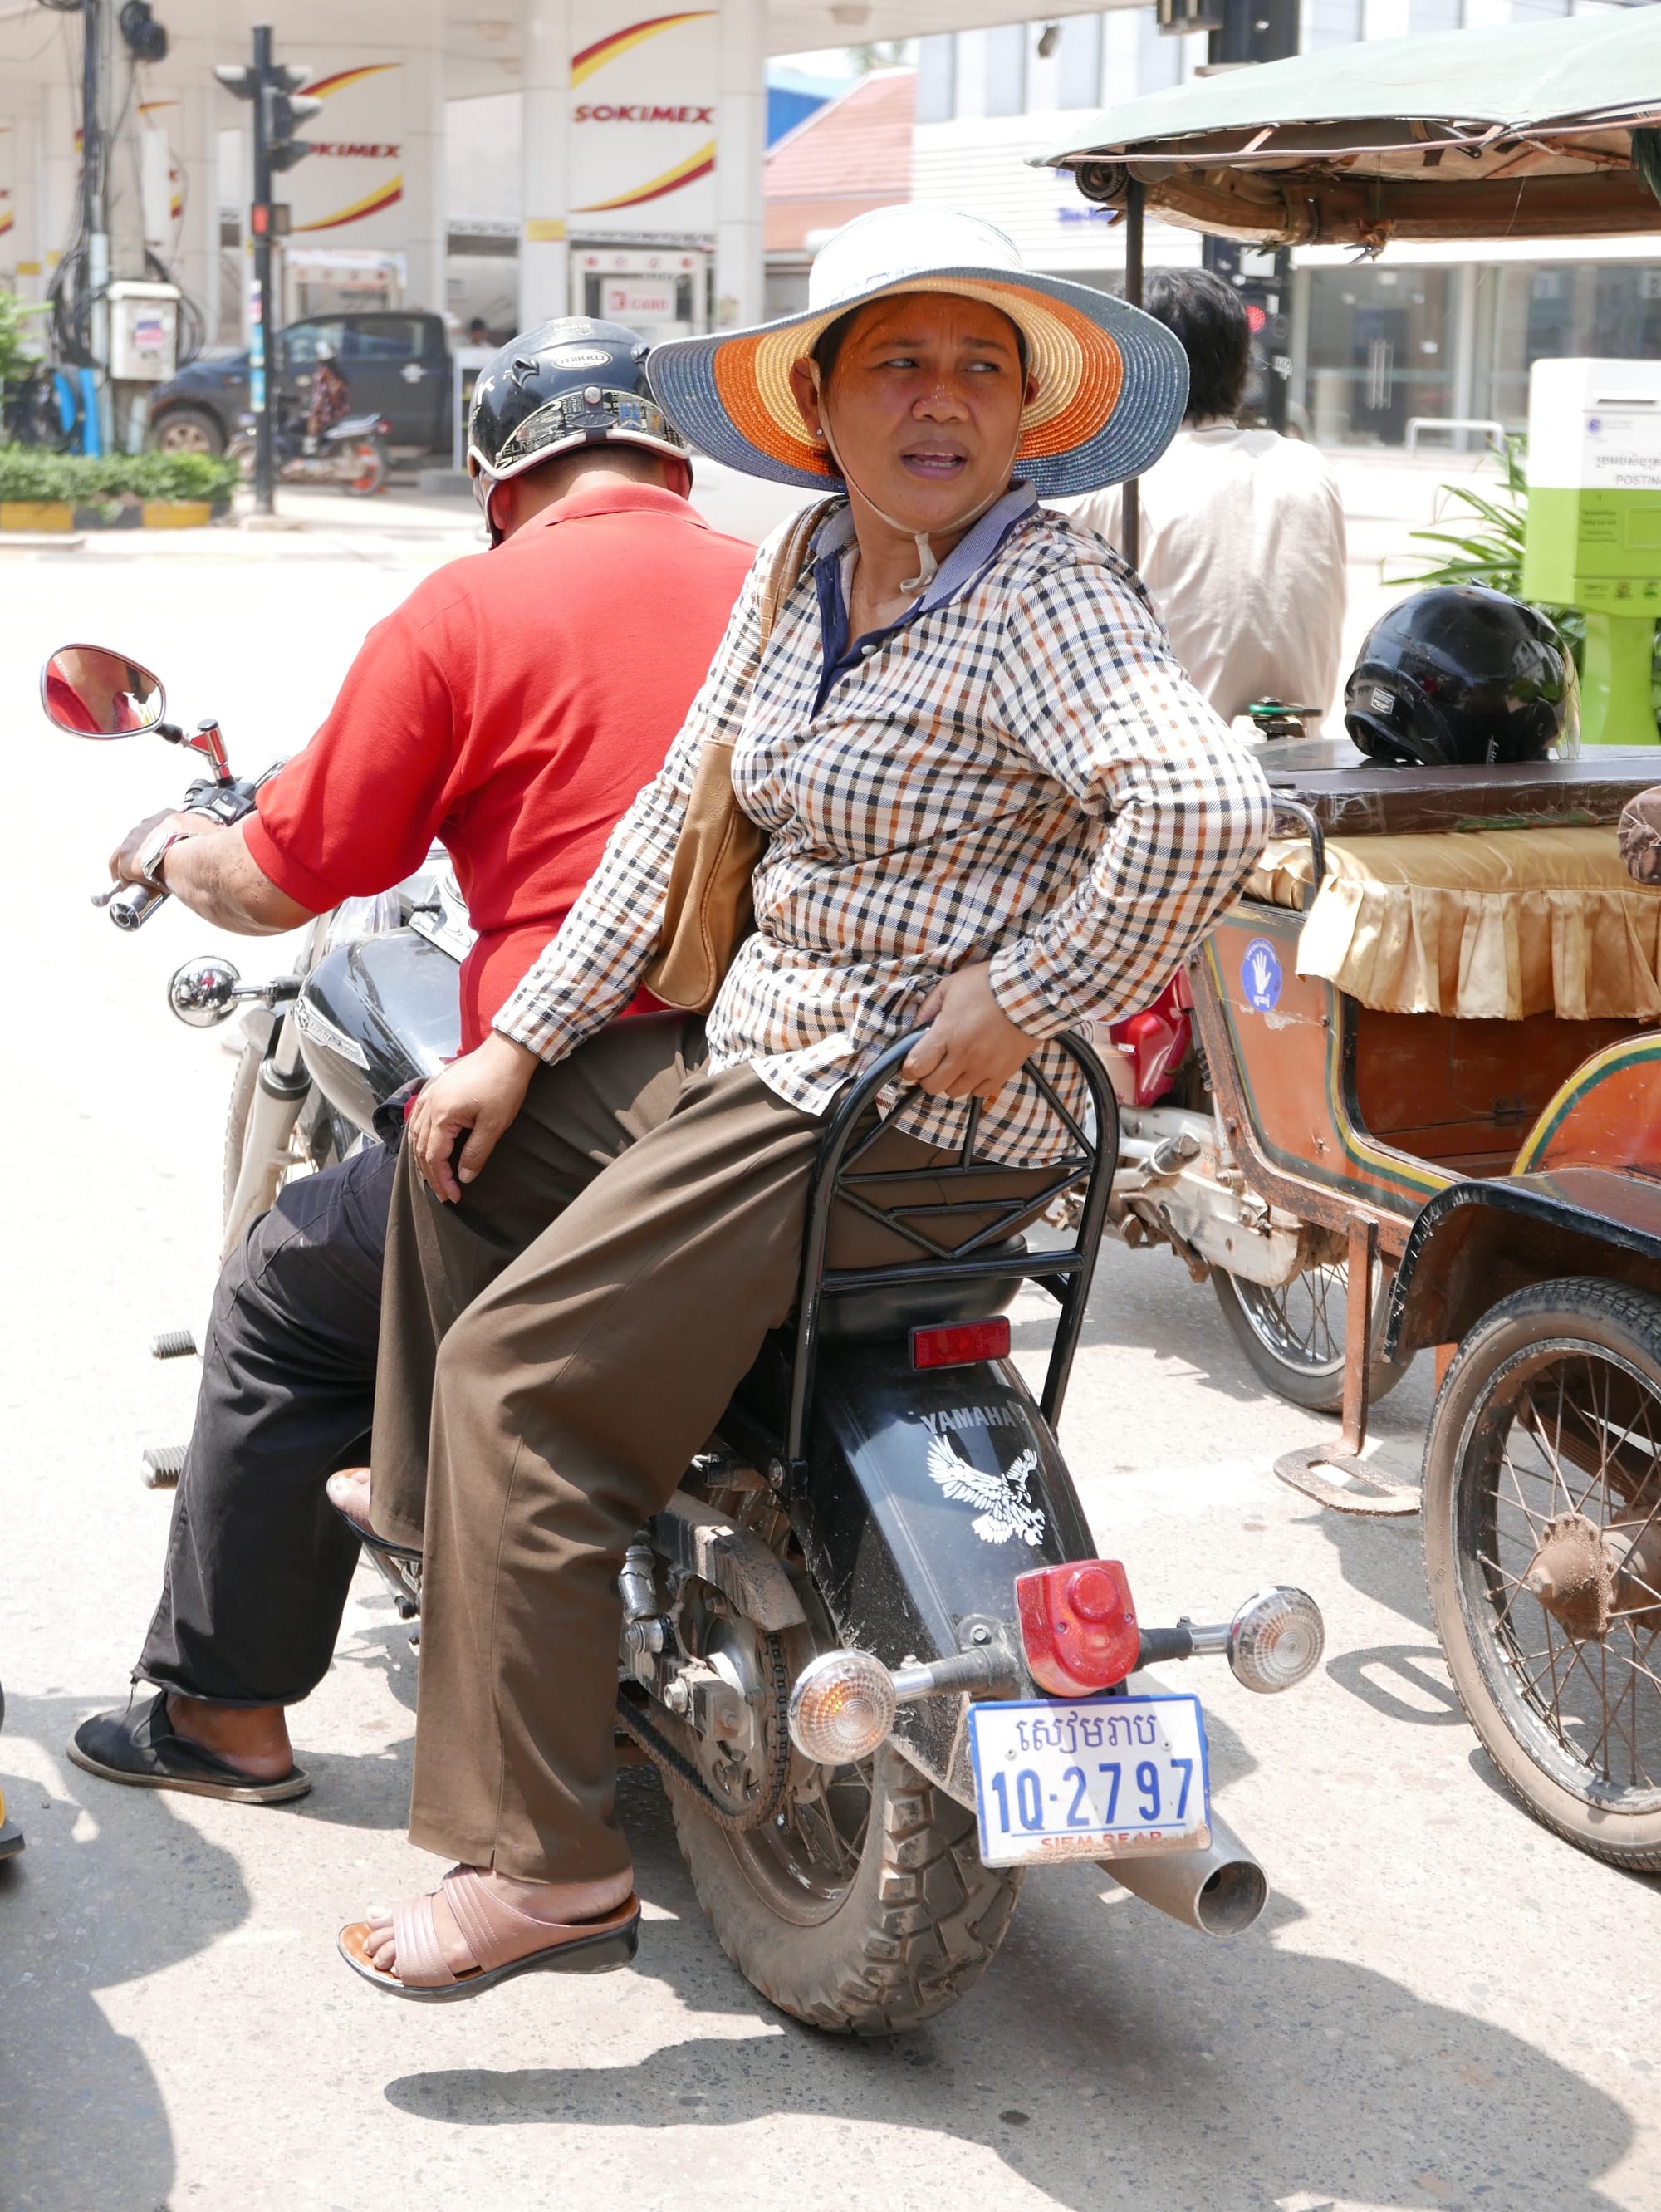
(202, 993)
(92, 692)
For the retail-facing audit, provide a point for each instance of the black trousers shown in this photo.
(259, 1561)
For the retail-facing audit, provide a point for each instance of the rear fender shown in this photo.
(1476, 1242)
(926, 1494)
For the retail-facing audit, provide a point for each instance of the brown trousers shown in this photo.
(553, 1350)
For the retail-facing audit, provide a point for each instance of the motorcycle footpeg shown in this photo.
(163, 1465)
(172, 1344)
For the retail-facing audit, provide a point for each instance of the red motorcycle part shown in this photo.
(1155, 1041)
(1078, 1627)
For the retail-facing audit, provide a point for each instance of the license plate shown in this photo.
(1107, 1777)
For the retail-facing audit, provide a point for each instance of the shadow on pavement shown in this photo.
(81, 2119)
(1107, 2057)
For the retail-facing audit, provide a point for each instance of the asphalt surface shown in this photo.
(1443, 2007)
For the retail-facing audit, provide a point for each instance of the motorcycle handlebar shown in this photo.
(132, 907)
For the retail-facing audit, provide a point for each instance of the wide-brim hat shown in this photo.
(1112, 383)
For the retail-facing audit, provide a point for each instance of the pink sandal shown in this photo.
(489, 1926)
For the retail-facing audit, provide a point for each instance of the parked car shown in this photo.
(399, 367)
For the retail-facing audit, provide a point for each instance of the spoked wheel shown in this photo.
(1542, 1551)
(1293, 1334)
(863, 1907)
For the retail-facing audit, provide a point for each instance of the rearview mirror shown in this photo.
(92, 692)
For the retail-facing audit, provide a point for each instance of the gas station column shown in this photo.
(20, 247)
(741, 117)
(59, 164)
(545, 166)
(426, 241)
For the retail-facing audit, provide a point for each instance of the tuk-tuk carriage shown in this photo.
(1422, 1105)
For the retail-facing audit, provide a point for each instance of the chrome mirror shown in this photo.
(204, 992)
(92, 692)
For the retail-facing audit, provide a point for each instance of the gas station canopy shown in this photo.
(1468, 134)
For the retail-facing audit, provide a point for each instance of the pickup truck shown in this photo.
(398, 365)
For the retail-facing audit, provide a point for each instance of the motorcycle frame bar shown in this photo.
(1065, 1274)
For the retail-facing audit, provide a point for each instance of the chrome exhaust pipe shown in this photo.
(1219, 1891)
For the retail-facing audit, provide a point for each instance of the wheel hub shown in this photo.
(1573, 1574)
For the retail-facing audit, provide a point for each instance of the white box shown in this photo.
(143, 332)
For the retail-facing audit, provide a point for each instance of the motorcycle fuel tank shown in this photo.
(376, 1015)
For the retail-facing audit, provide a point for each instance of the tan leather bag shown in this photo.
(708, 914)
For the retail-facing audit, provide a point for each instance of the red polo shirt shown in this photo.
(512, 707)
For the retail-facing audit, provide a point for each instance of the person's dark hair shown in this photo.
(1206, 317)
(834, 336)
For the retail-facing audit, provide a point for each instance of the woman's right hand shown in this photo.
(481, 1092)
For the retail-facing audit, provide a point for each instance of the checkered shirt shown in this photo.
(1018, 770)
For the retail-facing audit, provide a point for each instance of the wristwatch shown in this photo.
(153, 853)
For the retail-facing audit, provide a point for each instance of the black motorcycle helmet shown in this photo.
(1460, 675)
(568, 383)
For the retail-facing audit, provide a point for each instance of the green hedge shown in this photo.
(28, 472)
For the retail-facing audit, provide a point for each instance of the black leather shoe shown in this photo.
(138, 1746)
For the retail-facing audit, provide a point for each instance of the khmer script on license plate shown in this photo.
(1102, 1779)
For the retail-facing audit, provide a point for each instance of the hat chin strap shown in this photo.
(927, 567)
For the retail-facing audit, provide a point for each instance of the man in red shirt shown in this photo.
(512, 706)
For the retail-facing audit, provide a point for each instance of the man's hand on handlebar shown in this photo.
(481, 1092)
(972, 1048)
(124, 861)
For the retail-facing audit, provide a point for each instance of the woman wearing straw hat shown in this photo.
(992, 803)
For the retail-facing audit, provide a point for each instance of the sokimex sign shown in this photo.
(643, 123)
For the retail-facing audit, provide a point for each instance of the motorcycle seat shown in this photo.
(888, 1310)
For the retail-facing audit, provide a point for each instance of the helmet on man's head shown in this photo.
(1461, 674)
(568, 383)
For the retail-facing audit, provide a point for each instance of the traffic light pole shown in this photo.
(262, 361)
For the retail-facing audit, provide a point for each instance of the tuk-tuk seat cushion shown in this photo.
(1496, 924)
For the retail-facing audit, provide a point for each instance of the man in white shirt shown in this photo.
(1242, 531)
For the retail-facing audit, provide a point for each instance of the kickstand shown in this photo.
(1362, 1489)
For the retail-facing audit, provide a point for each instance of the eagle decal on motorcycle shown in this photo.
(1005, 1509)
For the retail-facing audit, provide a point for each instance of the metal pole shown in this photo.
(262, 352)
(1131, 505)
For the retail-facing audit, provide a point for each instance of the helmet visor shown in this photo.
(580, 417)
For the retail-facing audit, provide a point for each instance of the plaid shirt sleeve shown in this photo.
(1086, 684)
(594, 966)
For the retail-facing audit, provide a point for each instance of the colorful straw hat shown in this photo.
(1111, 382)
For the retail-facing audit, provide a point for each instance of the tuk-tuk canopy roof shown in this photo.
(1523, 132)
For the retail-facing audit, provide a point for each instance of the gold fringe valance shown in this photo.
(1498, 924)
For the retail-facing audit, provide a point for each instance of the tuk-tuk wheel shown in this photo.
(1542, 1553)
(1293, 1334)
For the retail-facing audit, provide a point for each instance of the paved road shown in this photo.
(1443, 2008)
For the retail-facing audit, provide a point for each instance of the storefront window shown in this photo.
(1530, 312)
(1377, 353)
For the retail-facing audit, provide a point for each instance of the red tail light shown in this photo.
(1078, 1627)
(963, 1344)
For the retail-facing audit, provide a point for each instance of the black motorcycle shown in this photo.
(869, 1643)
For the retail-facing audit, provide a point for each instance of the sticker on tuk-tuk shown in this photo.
(1260, 975)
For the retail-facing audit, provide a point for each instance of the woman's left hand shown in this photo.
(972, 1047)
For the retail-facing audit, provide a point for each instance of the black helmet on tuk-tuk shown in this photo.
(1461, 675)
(571, 382)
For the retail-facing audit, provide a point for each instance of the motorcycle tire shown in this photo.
(1302, 1360)
(241, 451)
(915, 1923)
(371, 458)
(1492, 1478)
(243, 1085)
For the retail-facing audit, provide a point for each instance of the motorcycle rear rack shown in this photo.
(1066, 1273)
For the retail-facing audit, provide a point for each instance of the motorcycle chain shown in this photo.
(675, 1767)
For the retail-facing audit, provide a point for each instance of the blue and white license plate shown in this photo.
(1104, 1778)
